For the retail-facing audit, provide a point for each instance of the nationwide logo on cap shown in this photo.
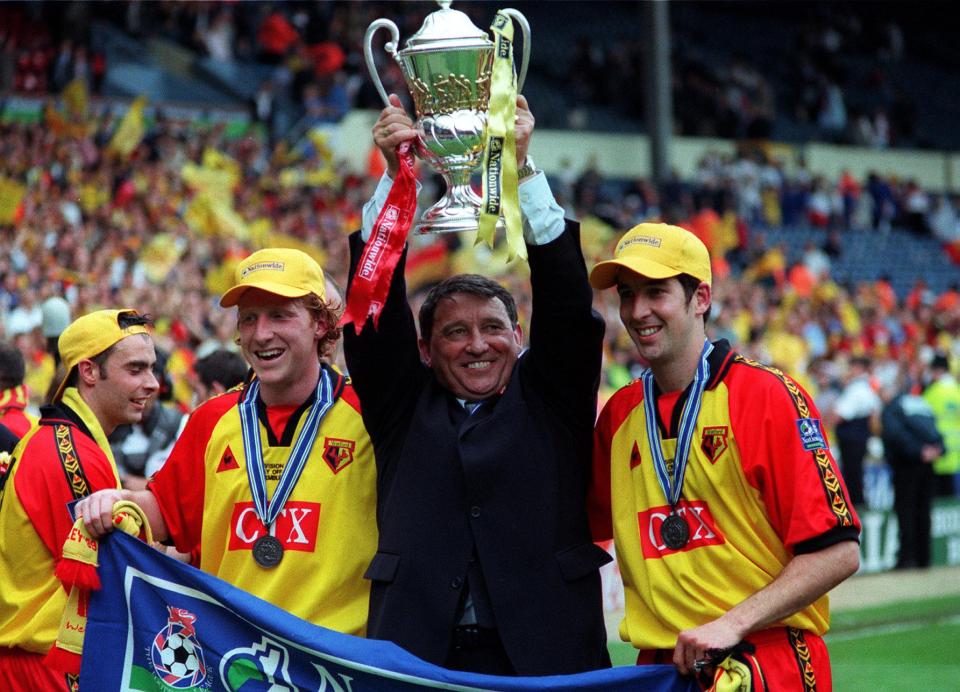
(639, 239)
(262, 266)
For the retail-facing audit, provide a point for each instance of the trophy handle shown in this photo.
(518, 17)
(391, 48)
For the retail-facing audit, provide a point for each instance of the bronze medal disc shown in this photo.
(267, 551)
(675, 532)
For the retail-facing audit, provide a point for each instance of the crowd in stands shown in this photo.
(148, 231)
(831, 75)
(36, 60)
(161, 229)
(808, 74)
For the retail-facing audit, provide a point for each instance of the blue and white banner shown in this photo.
(158, 624)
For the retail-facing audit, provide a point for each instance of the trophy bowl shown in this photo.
(447, 66)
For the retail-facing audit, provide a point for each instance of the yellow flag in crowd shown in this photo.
(215, 160)
(75, 98)
(161, 255)
(212, 215)
(11, 193)
(212, 212)
(215, 182)
(131, 129)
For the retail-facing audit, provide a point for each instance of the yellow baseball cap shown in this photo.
(281, 271)
(657, 251)
(91, 335)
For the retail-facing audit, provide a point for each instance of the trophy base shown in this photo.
(453, 225)
(456, 212)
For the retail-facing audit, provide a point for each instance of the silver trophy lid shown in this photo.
(447, 29)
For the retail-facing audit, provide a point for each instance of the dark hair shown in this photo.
(223, 366)
(125, 320)
(474, 284)
(12, 368)
(689, 284)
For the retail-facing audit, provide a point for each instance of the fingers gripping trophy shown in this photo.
(455, 74)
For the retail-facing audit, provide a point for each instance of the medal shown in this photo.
(268, 551)
(674, 532)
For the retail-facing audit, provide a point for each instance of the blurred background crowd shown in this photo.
(836, 281)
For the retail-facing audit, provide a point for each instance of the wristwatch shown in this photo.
(528, 168)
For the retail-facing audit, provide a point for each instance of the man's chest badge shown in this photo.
(338, 453)
(714, 442)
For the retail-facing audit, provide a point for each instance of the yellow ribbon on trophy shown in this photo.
(77, 570)
(500, 194)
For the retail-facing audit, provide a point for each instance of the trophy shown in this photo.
(447, 66)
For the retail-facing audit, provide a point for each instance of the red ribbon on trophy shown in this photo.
(371, 280)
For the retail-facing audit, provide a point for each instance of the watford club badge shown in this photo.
(228, 462)
(714, 442)
(338, 453)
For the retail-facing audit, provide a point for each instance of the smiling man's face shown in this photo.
(472, 347)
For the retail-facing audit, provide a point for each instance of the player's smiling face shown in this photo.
(472, 348)
(278, 337)
(659, 318)
(125, 384)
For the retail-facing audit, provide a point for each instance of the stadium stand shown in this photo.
(226, 82)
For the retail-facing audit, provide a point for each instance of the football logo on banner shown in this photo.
(176, 654)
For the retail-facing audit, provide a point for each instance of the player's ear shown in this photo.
(424, 346)
(88, 372)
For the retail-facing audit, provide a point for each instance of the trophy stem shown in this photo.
(459, 208)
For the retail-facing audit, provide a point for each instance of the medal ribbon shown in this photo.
(672, 487)
(371, 281)
(500, 194)
(253, 449)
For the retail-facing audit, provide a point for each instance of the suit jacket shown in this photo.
(503, 490)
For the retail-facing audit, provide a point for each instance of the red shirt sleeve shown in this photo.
(42, 487)
(785, 455)
(180, 483)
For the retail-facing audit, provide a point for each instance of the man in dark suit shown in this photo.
(485, 561)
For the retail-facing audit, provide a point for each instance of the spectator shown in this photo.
(943, 395)
(911, 443)
(55, 316)
(13, 394)
(857, 411)
(216, 373)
